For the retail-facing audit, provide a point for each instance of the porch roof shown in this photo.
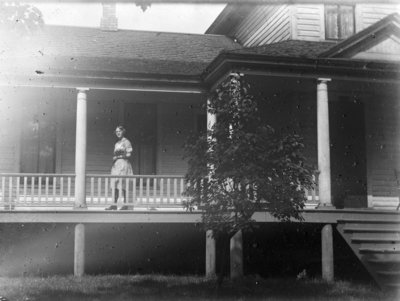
(290, 48)
(78, 48)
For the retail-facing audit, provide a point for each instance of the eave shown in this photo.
(341, 69)
(128, 81)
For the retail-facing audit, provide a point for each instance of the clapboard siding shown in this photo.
(8, 131)
(368, 14)
(176, 123)
(103, 117)
(383, 145)
(264, 25)
(308, 22)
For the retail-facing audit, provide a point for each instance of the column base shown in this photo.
(80, 207)
(325, 206)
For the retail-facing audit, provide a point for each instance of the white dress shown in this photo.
(121, 166)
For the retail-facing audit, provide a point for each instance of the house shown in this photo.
(329, 72)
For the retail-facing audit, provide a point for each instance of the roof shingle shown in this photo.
(161, 52)
(289, 48)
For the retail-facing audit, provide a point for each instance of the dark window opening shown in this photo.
(339, 21)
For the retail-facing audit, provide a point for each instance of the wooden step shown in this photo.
(375, 237)
(389, 273)
(375, 240)
(377, 245)
(386, 259)
(371, 229)
(379, 250)
(393, 285)
(372, 221)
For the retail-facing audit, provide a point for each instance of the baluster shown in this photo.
(155, 190)
(69, 189)
(47, 190)
(91, 189)
(106, 189)
(127, 191)
(25, 184)
(134, 191)
(40, 190)
(168, 190)
(147, 190)
(32, 189)
(18, 187)
(113, 183)
(10, 181)
(99, 190)
(175, 189)
(141, 189)
(120, 183)
(54, 189)
(62, 189)
(161, 190)
(181, 192)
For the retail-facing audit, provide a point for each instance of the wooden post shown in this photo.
(211, 118)
(236, 255)
(80, 149)
(210, 255)
(327, 253)
(79, 250)
(324, 164)
(210, 241)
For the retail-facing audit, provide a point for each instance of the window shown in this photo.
(339, 21)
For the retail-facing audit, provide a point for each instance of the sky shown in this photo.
(190, 18)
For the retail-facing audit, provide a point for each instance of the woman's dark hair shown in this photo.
(120, 127)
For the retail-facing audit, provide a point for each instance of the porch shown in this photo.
(25, 191)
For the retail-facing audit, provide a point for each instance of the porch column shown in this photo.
(210, 255)
(210, 241)
(327, 253)
(236, 255)
(79, 250)
(324, 164)
(80, 149)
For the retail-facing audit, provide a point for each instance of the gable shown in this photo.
(387, 49)
(380, 41)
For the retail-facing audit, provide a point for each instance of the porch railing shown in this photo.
(58, 190)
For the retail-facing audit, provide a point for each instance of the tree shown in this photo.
(242, 165)
(20, 17)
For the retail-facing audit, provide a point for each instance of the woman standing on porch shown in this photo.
(121, 166)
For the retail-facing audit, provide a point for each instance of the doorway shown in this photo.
(348, 153)
(141, 126)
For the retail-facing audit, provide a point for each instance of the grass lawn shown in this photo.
(157, 287)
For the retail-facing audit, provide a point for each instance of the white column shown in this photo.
(236, 255)
(80, 149)
(210, 255)
(210, 241)
(327, 253)
(79, 250)
(324, 164)
(211, 118)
